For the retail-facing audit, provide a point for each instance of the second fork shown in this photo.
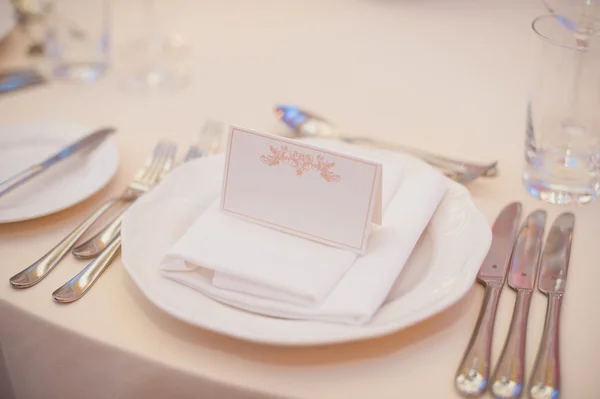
(157, 164)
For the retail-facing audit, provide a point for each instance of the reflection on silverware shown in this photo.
(509, 375)
(14, 80)
(83, 281)
(545, 377)
(472, 374)
(306, 124)
(159, 163)
(145, 178)
(206, 142)
(90, 140)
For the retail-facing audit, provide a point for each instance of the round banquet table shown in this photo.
(451, 77)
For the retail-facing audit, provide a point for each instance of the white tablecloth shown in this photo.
(448, 76)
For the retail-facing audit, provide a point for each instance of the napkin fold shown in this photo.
(266, 271)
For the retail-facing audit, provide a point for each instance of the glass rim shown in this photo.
(552, 41)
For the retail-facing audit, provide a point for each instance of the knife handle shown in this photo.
(509, 375)
(40, 269)
(83, 281)
(20, 178)
(472, 374)
(545, 377)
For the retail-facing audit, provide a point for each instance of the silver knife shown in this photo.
(545, 377)
(19, 79)
(509, 375)
(472, 375)
(90, 140)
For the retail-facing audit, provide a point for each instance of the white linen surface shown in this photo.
(273, 273)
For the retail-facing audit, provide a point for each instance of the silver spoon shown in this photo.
(306, 124)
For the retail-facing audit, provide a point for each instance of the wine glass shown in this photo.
(157, 61)
(582, 17)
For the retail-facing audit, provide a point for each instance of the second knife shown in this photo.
(509, 375)
(545, 377)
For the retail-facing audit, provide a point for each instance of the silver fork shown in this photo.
(207, 142)
(97, 243)
(79, 285)
(157, 164)
(471, 173)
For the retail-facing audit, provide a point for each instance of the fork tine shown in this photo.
(170, 161)
(162, 161)
(158, 163)
(143, 173)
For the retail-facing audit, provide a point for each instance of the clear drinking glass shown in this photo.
(580, 16)
(160, 59)
(562, 141)
(77, 39)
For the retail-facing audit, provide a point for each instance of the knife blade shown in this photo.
(557, 251)
(472, 375)
(88, 141)
(510, 371)
(545, 377)
(494, 267)
(526, 254)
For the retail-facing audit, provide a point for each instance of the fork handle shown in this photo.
(545, 377)
(40, 269)
(472, 374)
(79, 285)
(97, 243)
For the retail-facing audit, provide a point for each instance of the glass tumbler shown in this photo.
(562, 139)
(77, 39)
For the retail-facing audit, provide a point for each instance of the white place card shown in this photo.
(299, 189)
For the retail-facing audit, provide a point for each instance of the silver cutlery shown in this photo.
(306, 124)
(145, 178)
(165, 153)
(79, 285)
(509, 375)
(14, 80)
(472, 375)
(545, 377)
(205, 143)
(89, 141)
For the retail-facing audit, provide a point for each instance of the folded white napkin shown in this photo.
(266, 271)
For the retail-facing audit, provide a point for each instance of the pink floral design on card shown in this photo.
(301, 162)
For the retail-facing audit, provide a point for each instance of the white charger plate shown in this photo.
(441, 269)
(63, 185)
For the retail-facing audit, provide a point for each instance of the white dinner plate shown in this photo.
(65, 184)
(441, 269)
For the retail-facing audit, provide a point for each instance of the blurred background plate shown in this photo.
(63, 185)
